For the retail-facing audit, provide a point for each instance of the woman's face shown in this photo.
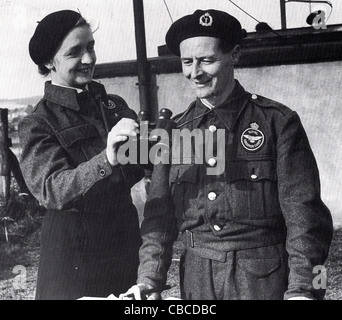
(74, 63)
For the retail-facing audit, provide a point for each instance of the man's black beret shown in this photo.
(50, 33)
(210, 23)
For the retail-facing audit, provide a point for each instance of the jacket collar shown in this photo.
(67, 97)
(229, 111)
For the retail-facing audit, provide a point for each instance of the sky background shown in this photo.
(115, 40)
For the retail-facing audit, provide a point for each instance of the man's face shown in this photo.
(74, 63)
(209, 70)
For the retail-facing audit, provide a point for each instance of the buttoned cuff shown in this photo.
(103, 167)
(158, 285)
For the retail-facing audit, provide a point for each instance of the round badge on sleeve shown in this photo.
(252, 138)
(111, 105)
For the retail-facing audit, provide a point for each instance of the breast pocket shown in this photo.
(185, 191)
(253, 192)
(81, 141)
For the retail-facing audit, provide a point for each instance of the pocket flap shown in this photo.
(253, 170)
(259, 267)
(184, 173)
(68, 136)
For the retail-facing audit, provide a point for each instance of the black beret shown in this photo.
(50, 33)
(210, 23)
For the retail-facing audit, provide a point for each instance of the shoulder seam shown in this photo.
(282, 108)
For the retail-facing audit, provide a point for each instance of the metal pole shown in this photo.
(5, 173)
(144, 73)
(283, 14)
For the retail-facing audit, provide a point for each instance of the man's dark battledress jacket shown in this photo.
(268, 195)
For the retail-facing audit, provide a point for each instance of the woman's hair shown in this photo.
(42, 69)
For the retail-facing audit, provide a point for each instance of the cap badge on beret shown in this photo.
(206, 20)
(204, 23)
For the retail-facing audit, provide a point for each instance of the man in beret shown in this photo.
(257, 230)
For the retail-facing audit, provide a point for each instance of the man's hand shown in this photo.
(120, 133)
(141, 291)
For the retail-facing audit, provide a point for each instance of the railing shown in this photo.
(9, 164)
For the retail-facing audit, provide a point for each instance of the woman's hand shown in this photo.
(140, 291)
(120, 133)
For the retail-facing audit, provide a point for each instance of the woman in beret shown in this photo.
(90, 235)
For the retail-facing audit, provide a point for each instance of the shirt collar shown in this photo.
(228, 111)
(77, 89)
(207, 104)
(67, 96)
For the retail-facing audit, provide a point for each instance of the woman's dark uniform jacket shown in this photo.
(90, 236)
(265, 197)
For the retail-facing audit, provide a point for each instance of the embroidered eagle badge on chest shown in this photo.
(252, 138)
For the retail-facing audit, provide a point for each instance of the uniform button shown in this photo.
(254, 96)
(102, 172)
(212, 196)
(217, 228)
(254, 176)
(212, 162)
(212, 128)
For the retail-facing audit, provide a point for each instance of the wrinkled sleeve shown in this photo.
(48, 173)
(158, 230)
(308, 220)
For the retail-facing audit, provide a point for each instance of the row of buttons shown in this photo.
(212, 162)
(212, 197)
